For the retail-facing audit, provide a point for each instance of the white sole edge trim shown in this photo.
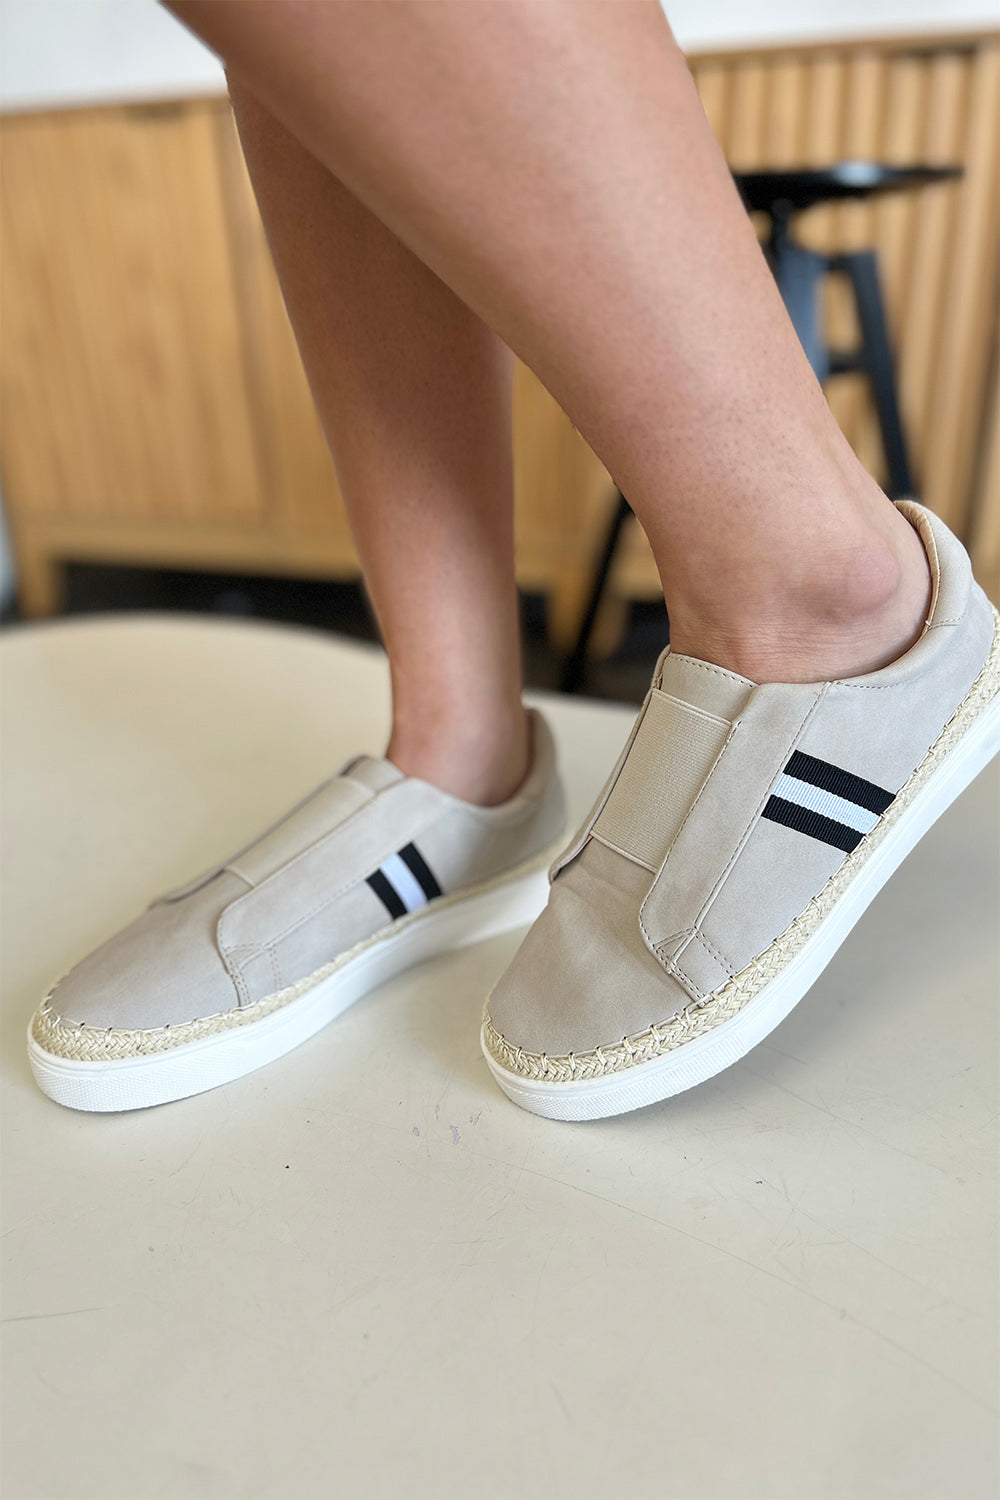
(696, 1061)
(115, 1084)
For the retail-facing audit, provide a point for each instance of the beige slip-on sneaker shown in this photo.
(372, 872)
(742, 833)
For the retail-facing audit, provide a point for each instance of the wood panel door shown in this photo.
(123, 379)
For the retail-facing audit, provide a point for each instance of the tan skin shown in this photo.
(414, 393)
(440, 179)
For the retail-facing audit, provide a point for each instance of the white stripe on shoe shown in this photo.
(826, 803)
(404, 882)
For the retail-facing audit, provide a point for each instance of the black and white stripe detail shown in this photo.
(826, 802)
(404, 882)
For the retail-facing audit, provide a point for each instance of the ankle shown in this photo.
(861, 608)
(481, 758)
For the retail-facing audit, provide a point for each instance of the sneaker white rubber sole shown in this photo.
(694, 1061)
(243, 1043)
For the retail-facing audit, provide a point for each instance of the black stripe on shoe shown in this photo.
(387, 894)
(404, 881)
(841, 783)
(826, 802)
(421, 870)
(814, 824)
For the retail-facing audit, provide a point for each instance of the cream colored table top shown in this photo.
(362, 1272)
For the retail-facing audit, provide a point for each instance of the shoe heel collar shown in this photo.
(950, 567)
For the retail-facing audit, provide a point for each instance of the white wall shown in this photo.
(56, 52)
(74, 51)
(702, 25)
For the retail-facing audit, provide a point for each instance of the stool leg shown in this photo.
(876, 354)
(798, 273)
(575, 663)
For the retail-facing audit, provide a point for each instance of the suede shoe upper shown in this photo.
(364, 848)
(730, 808)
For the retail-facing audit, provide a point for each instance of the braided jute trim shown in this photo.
(701, 1016)
(80, 1042)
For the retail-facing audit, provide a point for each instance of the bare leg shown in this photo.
(550, 161)
(413, 391)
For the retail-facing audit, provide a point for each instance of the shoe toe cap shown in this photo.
(164, 969)
(583, 978)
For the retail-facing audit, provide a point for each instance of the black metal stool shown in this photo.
(799, 272)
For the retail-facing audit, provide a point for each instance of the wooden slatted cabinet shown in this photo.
(155, 409)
